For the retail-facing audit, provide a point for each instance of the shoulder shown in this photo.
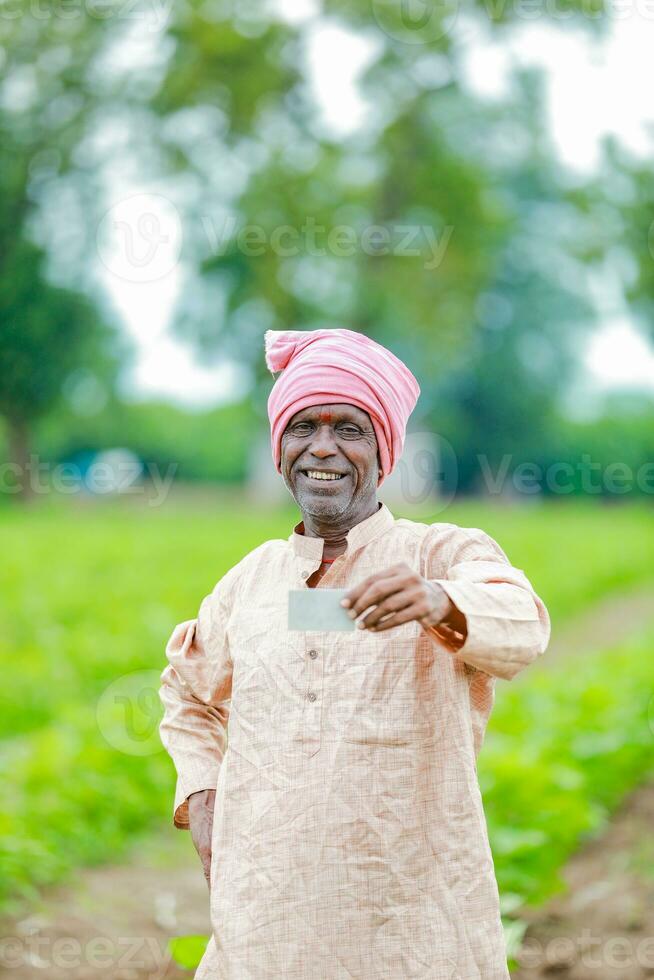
(440, 531)
(442, 544)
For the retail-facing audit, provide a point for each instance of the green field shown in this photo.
(90, 595)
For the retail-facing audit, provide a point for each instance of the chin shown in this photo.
(322, 506)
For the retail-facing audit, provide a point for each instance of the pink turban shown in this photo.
(323, 367)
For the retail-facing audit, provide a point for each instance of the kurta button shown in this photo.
(311, 696)
(313, 654)
(306, 573)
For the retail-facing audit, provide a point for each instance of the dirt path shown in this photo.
(602, 626)
(603, 927)
(113, 923)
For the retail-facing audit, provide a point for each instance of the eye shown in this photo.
(301, 428)
(349, 429)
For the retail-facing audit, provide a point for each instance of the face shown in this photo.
(336, 440)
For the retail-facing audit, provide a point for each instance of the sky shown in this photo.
(593, 87)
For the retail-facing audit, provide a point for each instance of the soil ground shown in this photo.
(602, 928)
(113, 922)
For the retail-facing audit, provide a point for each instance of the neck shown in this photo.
(334, 530)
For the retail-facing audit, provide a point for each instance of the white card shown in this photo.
(318, 609)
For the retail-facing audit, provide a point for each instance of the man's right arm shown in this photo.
(195, 690)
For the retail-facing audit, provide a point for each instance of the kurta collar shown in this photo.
(357, 537)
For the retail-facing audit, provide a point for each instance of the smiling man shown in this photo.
(341, 826)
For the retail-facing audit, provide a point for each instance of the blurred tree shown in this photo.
(211, 446)
(50, 96)
(47, 333)
(614, 243)
(500, 400)
(626, 200)
(441, 226)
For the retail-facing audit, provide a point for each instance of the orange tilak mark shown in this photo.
(326, 417)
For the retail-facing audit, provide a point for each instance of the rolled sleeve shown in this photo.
(507, 623)
(196, 694)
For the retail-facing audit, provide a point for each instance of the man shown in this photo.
(341, 830)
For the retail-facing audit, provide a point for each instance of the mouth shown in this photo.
(322, 476)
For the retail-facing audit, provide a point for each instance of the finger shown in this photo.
(205, 859)
(201, 834)
(385, 592)
(376, 592)
(405, 615)
(353, 594)
(394, 603)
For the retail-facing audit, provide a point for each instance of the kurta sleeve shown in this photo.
(195, 690)
(508, 625)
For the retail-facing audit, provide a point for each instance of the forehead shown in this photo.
(339, 411)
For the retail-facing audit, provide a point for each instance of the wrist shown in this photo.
(442, 607)
(453, 622)
(447, 615)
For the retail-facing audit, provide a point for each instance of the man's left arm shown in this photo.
(474, 603)
(496, 622)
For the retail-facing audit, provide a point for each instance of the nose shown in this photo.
(323, 443)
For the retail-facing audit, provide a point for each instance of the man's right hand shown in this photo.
(200, 821)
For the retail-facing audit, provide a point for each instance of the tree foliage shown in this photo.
(51, 93)
(464, 237)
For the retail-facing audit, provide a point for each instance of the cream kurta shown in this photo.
(349, 837)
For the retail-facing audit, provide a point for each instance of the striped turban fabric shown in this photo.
(322, 367)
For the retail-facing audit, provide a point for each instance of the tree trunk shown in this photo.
(17, 480)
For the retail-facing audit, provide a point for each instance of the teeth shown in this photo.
(317, 475)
